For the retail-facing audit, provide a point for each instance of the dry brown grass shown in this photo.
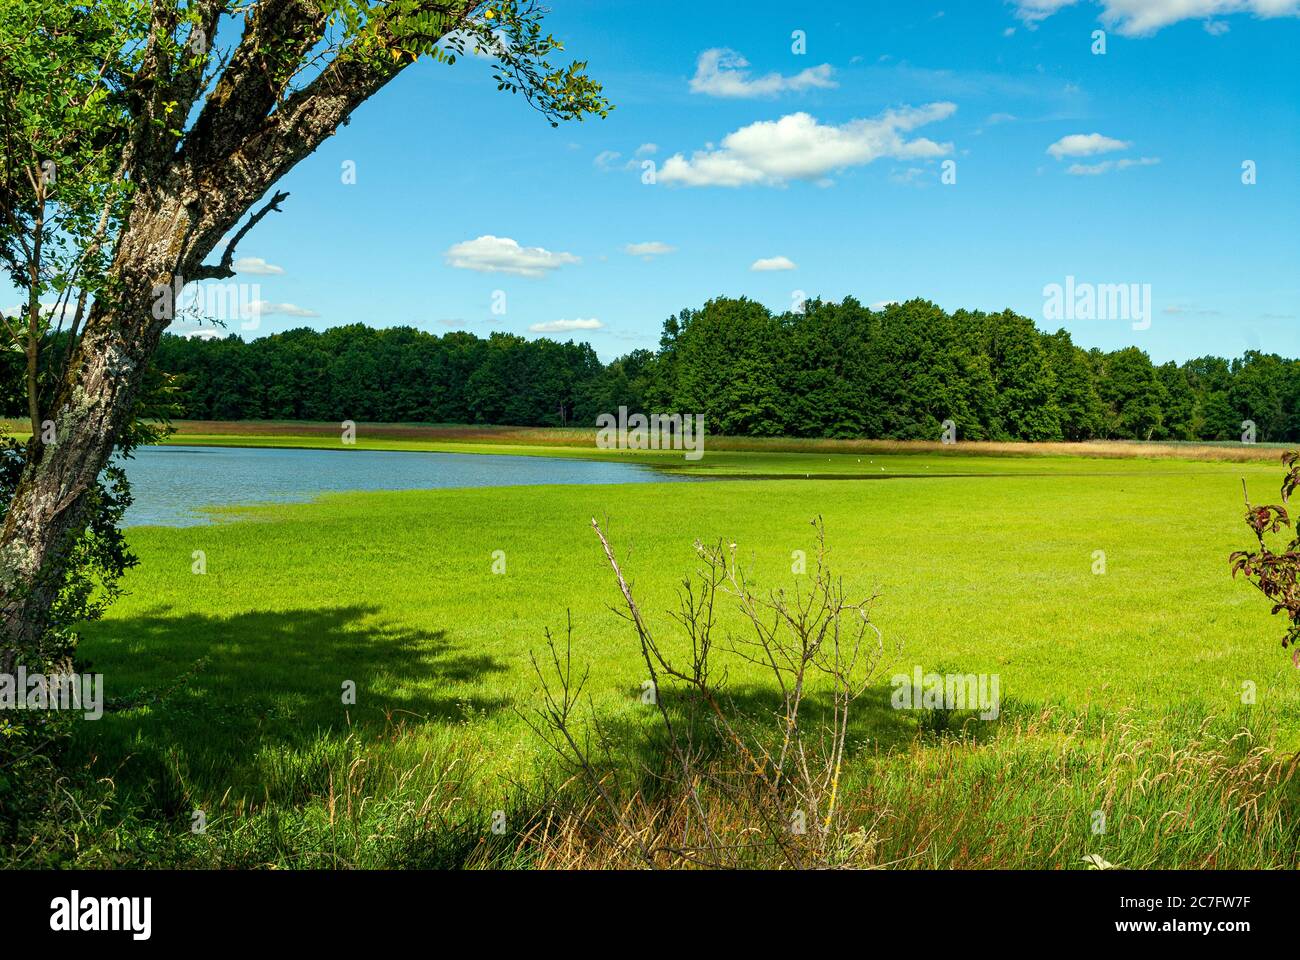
(716, 822)
(575, 437)
(586, 438)
(1027, 799)
(1105, 449)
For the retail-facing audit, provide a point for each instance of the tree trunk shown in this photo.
(93, 407)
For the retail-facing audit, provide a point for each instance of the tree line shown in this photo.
(833, 370)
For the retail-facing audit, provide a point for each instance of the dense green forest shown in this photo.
(834, 370)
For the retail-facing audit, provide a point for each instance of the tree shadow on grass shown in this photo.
(876, 727)
(200, 700)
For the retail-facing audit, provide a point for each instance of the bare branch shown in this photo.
(226, 267)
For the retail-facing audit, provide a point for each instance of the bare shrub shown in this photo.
(731, 785)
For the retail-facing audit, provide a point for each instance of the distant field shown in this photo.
(1123, 690)
(802, 455)
(571, 440)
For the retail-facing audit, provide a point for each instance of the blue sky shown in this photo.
(839, 153)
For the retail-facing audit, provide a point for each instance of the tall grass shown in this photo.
(1174, 793)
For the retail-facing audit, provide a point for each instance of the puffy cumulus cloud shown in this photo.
(798, 147)
(257, 267)
(566, 326)
(768, 264)
(265, 308)
(489, 254)
(1086, 145)
(1143, 17)
(724, 73)
(1090, 145)
(1136, 18)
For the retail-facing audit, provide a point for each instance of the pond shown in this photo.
(172, 484)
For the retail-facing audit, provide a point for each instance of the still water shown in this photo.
(172, 484)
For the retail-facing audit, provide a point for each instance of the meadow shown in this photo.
(1137, 678)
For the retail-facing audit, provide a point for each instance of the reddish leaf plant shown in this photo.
(1276, 574)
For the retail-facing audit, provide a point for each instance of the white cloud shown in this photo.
(910, 177)
(65, 312)
(1106, 166)
(1034, 11)
(995, 120)
(565, 326)
(1091, 144)
(646, 149)
(648, 250)
(257, 267)
(797, 147)
(768, 264)
(605, 159)
(1085, 145)
(489, 254)
(722, 73)
(1180, 311)
(1134, 18)
(265, 308)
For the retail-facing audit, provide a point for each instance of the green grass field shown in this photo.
(1122, 691)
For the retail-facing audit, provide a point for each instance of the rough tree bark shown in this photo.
(193, 189)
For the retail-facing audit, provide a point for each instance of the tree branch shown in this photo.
(226, 268)
(275, 40)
